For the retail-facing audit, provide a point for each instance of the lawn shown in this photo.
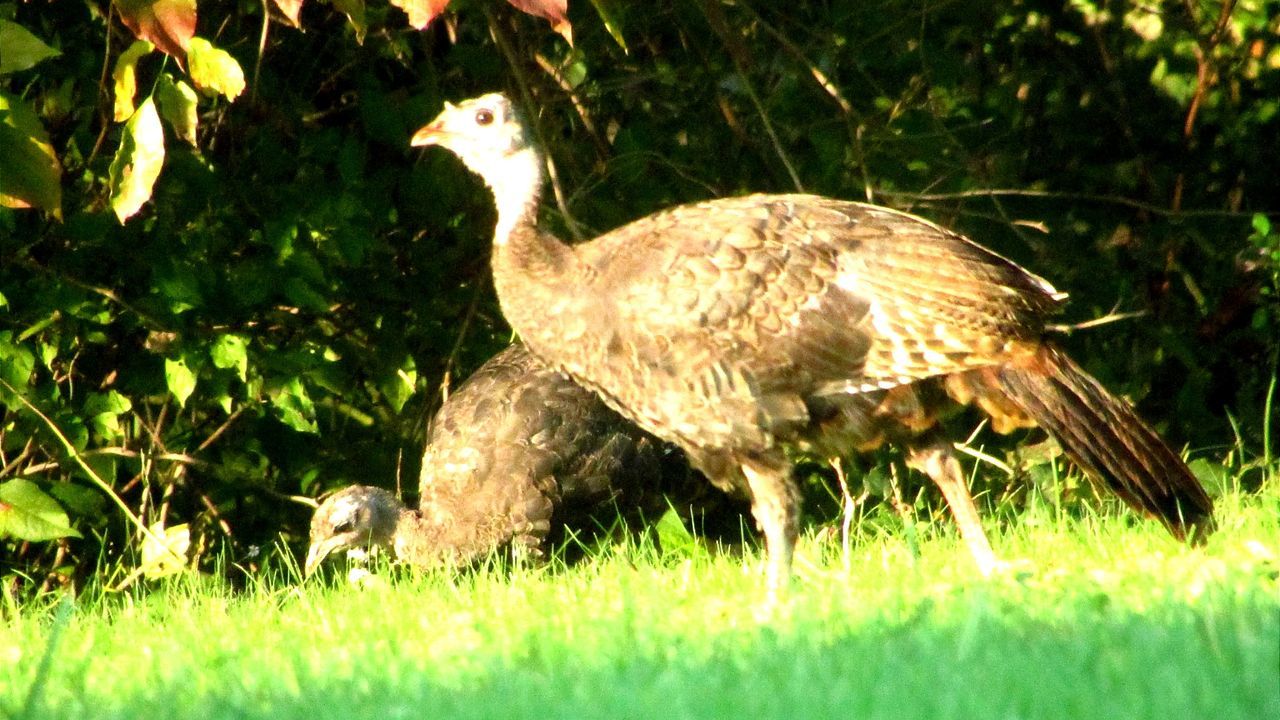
(1099, 618)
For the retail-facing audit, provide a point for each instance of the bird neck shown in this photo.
(417, 541)
(532, 270)
(517, 188)
(426, 541)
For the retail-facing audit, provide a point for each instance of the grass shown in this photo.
(1104, 618)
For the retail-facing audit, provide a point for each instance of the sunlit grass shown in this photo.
(1098, 618)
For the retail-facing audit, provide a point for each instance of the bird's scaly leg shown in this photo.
(775, 505)
(935, 457)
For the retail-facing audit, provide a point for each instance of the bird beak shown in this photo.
(317, 553)
(429, 134)
(432, 132)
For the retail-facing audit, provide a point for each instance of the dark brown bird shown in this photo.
(514, 456)
(737, 327)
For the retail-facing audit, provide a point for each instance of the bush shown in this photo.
(277, 314)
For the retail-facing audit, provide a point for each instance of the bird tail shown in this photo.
(1103, 436)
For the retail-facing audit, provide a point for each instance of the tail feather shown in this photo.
(1102, 434)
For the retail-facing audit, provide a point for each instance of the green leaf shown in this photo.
(17, 362)
(609, 16)
(30, 174)
(354, 10)
(231, 351)
(177, 103)
(673, 536)
(20, 50)
(1261, 225)
(138, 161)
(103, 465)
(213, 70)
(27, 513)
(180, 380)
(400, 384)
(80, 500)
(295, 406)
(303, 296)
(108, 402)
(103, 411)
(1213, 476)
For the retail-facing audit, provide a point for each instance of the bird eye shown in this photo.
(345, 526)
(484, 116)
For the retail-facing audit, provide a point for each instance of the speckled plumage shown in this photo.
(739, 326)
(516, 454)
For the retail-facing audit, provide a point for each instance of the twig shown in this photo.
(984, 457)
(1204, 80)
(526, 95)
(226, 424)
(463, 326)
(715, 18)
(180, 458)
(88, 469)
(399, 472)
(262, 49)
(213, 510)
(103, 96)
(1107, 319)
(26, 452)
(847, 506)
(299, 499)
(1069, 196)
(818, 76)
(587, 123)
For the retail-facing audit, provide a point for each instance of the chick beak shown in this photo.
(428, 134)
(432, 132)
(316, 554)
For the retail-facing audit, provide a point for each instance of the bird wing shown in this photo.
(520, 448)
(792, 295)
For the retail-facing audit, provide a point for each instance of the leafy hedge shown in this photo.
(228, 285)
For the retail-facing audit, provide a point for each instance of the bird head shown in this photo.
(357, 516)
(484, 132)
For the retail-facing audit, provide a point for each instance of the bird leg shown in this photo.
(775, 504)
(935, 457)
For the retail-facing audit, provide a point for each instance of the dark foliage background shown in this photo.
(321, 284)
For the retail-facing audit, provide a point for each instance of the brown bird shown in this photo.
(514, 456)
(737, 327)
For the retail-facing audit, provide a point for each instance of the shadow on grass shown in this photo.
(978, 658)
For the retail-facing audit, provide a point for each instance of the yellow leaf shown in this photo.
(177, 103)
(164, 552)
(138, 161)
(292, 9)
(125, 76)
(1146, 24)
(213, 70)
